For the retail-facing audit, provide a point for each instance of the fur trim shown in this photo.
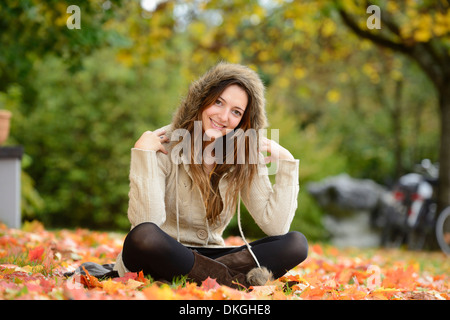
(259, 276)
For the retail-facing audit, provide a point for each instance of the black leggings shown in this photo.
(150, 249)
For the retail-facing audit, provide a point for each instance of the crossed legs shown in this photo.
(150, 249)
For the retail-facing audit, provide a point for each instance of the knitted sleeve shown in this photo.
(273, 207)
(147, 187)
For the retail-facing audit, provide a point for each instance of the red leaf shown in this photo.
(126, 276)
(209, 284)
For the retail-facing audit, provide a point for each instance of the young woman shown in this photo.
(186, 183)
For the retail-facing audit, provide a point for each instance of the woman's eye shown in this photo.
(218, 102)
(237, 113)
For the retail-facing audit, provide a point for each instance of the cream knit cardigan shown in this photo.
(163, 193)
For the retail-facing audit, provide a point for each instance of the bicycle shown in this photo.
(443, 230)
(411, 218)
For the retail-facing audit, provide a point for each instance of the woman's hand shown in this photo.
(152, 141)
(276, 151)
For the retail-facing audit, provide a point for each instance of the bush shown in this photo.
(80, 132)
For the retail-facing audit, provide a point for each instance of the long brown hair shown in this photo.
(201, 94)
(237, 174)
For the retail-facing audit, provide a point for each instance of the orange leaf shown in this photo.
(36, 254)
(159, 293)
(90, 281)
(141, 277)
(192, 291)
(312, 293)
(344, 276)
(400, 278)
(317, 249)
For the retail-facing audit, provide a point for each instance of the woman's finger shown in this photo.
(264, 145)
(263, 149)
(164, 138)
(159, 132)
(162, 149)
(264, 141)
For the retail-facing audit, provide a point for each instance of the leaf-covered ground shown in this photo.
(33, 261)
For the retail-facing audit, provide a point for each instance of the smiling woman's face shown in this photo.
(225, 113)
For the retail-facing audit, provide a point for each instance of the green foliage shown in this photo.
(32, 29)
(81, 134)
(31, 200)
(81, 98)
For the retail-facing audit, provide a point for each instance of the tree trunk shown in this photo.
(444, 156)
(397, 118)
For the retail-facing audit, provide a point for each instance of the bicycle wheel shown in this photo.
(443, 230)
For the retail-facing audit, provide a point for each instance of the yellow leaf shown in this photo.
(283, 82)
(329, 28)
(396, 75)
(299, 73)
(26, 269)
(112, 287)
(439, 30)
(133, 284)
(333, 96)
(264, 56)
(263, 290)
(125, 58)
(159, 293)
(392, 6)
(422, 35)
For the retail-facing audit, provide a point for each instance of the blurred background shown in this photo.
(352, 101)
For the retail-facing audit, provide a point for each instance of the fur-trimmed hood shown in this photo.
(224, 71)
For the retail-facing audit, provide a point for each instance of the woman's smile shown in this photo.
(216, 125)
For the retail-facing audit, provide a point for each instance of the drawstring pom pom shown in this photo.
(259, 276)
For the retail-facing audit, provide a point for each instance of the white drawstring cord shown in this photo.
(176, 203)
(242, 233)
(207, 230)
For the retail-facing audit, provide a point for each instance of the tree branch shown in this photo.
(422, 53)
(377, 39)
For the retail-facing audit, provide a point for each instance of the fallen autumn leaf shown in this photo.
(33, 263)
